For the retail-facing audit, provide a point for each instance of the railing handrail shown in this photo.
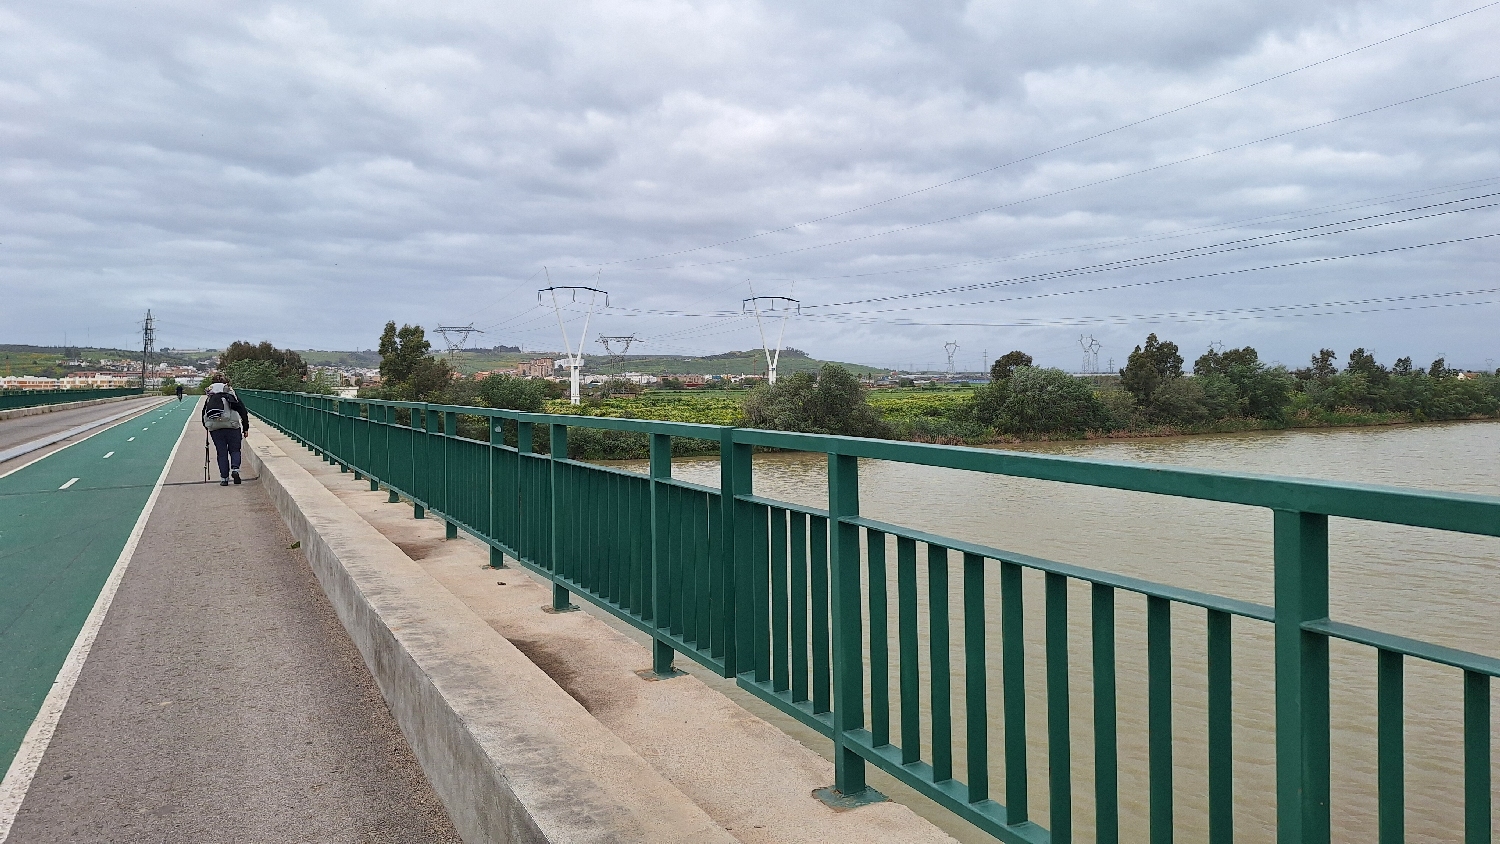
(1440, 510)
(731, 579)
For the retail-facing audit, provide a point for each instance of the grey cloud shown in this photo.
(304, 172)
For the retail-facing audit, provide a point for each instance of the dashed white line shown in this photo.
(68, 484)
(109, 455)
(131, 440)
(23, 767)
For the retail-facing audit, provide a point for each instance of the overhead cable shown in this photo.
(1095, 183)
(1060, 147)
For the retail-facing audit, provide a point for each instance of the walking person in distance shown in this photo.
(227, 421)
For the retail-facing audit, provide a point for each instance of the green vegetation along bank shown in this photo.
(1153, 395)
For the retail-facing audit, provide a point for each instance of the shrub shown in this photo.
(1181, 400)
(1120, 409)
(1041, 401)
(831, 402)
(508, 392)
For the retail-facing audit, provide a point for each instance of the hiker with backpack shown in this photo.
(227, 422)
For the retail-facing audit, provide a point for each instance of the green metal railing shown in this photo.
(10, 400)
(780, 597)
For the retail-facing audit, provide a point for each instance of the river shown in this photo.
(1430, 585)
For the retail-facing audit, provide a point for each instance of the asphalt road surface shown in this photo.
(24, 429)
(222, 700)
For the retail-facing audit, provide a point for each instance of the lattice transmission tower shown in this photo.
(456, 337)
(609, 344)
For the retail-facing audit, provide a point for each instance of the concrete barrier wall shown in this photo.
(512, 756)
(18, 412)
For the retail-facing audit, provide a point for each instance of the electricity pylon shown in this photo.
(624, 342)
(148, 343)
(575, 359)
(952, 349)
(783, 305)
(462, 332)
(1091, 349)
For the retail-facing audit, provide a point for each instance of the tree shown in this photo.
(260, 374)
(511, 393)
(1184, 401)
(408, 370)
(1321, 366)
(1439, 369)
(831, 402)
(287, 363)
(1219, 363)
(1007, 363)
(1362, 362)
(1149, 366)
(1039, 400)
(1402, 367)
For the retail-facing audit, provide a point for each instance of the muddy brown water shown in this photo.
(1430, 585)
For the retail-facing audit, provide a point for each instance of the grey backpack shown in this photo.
(219, 415)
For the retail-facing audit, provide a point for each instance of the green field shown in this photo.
(725, 407)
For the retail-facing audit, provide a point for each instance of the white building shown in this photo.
(100, 381)
(28, 382)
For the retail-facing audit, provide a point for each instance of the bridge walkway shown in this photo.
(222, 700)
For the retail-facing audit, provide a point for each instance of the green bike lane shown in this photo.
(64, 521)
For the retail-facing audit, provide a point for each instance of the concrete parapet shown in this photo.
(18, 412)
(512, 756)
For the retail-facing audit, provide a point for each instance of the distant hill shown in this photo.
(752, 362)
(47, 361)
(367, 359)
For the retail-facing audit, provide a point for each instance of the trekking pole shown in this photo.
(205, 455)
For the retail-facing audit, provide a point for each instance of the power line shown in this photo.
(865, 320)
(1133, 264)
(1060, 147)
(1095, 183)
(1206, 250)
(1254, 312)
(1115, 243)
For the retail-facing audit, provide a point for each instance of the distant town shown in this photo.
(63, 368)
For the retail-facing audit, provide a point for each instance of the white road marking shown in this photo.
(68, 484)
(109, 455)
(23, 767)
(131, 440)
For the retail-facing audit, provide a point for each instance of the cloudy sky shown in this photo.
(304, 172)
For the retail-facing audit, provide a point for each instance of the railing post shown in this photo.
(346, 436)
(496, 424)
(1302, 743)
(450, 432)
(351, 412)
(728, 597)
(848, 661)
(742, 555)
(661, 468)
(559, 443)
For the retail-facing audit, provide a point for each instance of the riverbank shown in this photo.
(939, 416)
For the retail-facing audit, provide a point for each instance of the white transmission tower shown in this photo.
(575, 359)
(952, 349)
(771, 307)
